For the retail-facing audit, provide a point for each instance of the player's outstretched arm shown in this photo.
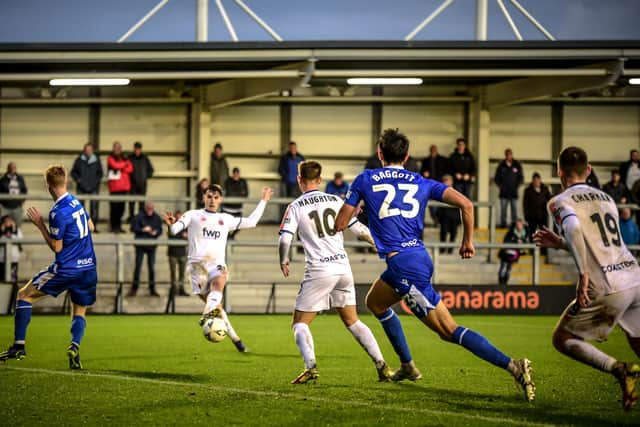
(344, 216)
(252, 220)
(169, 218)
(34, 215)
(548, 239)
(455, 198)
(362, 232)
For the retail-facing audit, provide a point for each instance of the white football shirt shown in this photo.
(610, 265)
(313, 216)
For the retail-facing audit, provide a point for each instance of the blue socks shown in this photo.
(21, 321)
(393, 329)
(78, 323)
(480, 346)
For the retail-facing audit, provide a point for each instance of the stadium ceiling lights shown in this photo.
(634, 81)
(89, 82)
(381, 81)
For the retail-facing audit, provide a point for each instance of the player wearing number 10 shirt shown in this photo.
(396, 199)
(74, 268)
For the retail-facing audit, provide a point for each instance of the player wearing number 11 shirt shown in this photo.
(396, 199)
(74, 268)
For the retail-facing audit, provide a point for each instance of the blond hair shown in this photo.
(56, 176)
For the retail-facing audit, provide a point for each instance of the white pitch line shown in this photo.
(354, 403)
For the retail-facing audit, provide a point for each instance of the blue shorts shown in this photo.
(80, 284)
(409, 274)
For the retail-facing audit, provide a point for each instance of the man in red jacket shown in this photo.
(119, 171)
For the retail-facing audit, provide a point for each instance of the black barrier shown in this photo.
(488, 299)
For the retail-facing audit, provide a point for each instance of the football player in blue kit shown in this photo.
(74, 268)
(396, 199)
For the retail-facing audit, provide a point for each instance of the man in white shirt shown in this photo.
(608, 290)
(328, 281)
(207, 231)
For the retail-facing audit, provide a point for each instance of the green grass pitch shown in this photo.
(159, 370)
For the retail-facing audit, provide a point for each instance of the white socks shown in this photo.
(586, 353)
(213, 299)
(304, 341)
(364, 336)
(230, 331)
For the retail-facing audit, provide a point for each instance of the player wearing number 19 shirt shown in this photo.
(608, 290)
(327, 281)
(74, 268)
(396, 199)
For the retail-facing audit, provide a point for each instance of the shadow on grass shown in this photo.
(164, 376)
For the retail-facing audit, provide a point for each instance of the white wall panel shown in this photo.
(524, 129)
(332, 129)
(247, 129)
(157, 127)
(44, 127)
(426, 125)
(607, 133)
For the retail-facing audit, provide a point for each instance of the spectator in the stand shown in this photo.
(435, 167)
(9, 230)
(142, 171)
(177, 260)
(463, 168)
(218, 166)
(119, 169)
(593, 180)
(87, 173)
(13, 184)
(288, 170)
(449, 219)
(630, 170)
(628, 228)
(508, 177)
(234, 186)
(146, 226)
(534, 203)
(337, 186)
(616, 188)
(201, 188)
(518, 233)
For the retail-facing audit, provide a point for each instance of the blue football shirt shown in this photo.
(69, 222)
(396, 199)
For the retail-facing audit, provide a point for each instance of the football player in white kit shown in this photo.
(608, 289)
(207, 231)
(328, 281)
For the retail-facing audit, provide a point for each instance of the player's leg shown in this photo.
(78, 326)
(304, 342)
(365, 338)
(379, 300)
(216, 284)
(628, 374)
(235, 338)
(24, 303)
(440, 321)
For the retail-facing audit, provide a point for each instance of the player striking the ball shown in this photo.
(396, 199)
(328, 281)
(74, 268)
(608, 290)
(207, 231)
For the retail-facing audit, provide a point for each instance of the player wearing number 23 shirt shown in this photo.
(396, 199)
(74, 268)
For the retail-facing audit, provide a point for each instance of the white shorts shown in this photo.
(317, 294)
(605, 311)
(201, 275)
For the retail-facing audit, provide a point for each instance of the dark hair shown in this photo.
(573, 161)
(615, 171)
(338, 175)
(461, 140)
(309, 170)
(535, 175)
(394, 146)
(137, 144)
(234, 170)
(214, 188)
(218, 145)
